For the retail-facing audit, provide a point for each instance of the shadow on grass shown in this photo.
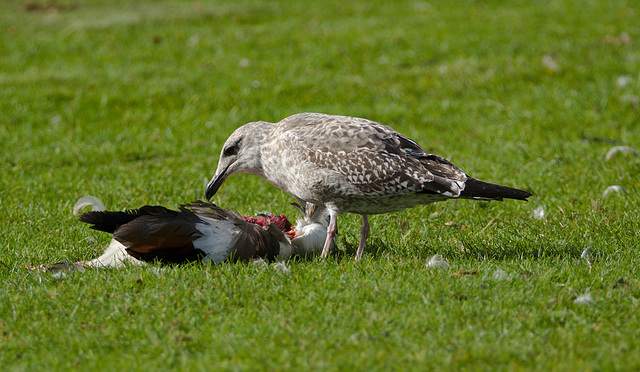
(375, 248)
(470, 248)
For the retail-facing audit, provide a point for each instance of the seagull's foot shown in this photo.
(332, 230)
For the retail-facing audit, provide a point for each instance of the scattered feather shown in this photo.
(437, 261)
(623, 149)
(55, 120)
(88, 201)
(631, 99)
(194, 40)
(549, 63)
(584, 299)
(282, 267)
(622, 39)
(623, 81)
(355, 338)
(500, 274)
(259, 262)
(613, 190)
(538, 213)
(586, 255)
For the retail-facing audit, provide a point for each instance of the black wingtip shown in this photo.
(476, 189)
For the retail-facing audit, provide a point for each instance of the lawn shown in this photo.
(131, 102)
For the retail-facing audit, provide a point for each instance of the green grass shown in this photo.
(131, 102)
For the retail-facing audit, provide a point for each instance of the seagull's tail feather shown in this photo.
(476, 189)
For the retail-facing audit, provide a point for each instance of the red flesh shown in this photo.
(280, 221)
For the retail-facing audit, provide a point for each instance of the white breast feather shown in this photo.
(219, 237)
(310, 237)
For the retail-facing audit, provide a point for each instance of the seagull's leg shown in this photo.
(364, 233)
(332, 229)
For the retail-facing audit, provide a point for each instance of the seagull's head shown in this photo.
(241, 153)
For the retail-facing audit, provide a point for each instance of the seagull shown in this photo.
(201, 231)
(347, 165)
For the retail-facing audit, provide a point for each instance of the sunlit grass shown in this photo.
(131, 102)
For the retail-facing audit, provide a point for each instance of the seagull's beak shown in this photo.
(214, 184)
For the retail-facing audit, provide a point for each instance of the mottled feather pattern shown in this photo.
(370, 160)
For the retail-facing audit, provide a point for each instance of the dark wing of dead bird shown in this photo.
(150, 232)
(108, 221)
(251, 240)
(166, 237)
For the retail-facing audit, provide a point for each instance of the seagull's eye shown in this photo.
(231, 150)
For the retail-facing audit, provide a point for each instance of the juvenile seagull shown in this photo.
(348, 165)
(201, 232)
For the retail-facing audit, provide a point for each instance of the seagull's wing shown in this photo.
(372, 157)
